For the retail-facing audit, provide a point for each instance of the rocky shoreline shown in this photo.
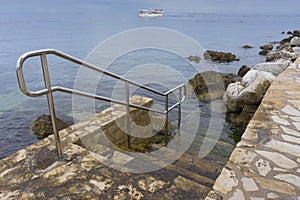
(242, 93)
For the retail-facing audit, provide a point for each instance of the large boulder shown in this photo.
(287, 55)
(253, 94)
(267, 47)
(237, 96)
(222, 57)
(42, 126)
(232, 97)
(243, 70)
(210, 84)
(295, 42)
(273, 67)
(253, 74)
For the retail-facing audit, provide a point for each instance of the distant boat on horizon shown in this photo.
(151, 13)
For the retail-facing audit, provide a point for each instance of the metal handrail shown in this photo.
(50, 89)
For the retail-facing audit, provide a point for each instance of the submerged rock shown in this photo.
(222, 57)
(194, 58)
(263, 52)
(211, 85)
(42, 126)
(247, 47)
(266, 47)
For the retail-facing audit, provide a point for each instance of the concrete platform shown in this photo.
(266, 162)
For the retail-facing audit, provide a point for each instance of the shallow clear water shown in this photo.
(77, 32)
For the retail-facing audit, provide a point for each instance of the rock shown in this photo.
(286, 40)
(266, 47)
(246, 114)
(289, 33)
(220, 56)
(296, 50)
(253, 94)
(296, 33)
(295, 42)
(284, 46)
(263, 52)
(253, 74)
(194, 58)
(42, 126)
(247, 47)
(239, 121)
(243, 70)
(273, 67)
(237, 96)
(231, 97)
(211, 85)
(282, 32)
(273, 56)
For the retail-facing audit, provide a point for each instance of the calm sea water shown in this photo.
(78, 32)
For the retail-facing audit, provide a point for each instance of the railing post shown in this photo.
(179, 110)
(128, 115)
(51, 104)
(167, 118)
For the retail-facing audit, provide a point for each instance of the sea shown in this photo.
(78, 32)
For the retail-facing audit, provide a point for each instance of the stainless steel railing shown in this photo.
(49, 89)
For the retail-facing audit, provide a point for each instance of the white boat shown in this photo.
(151, 13)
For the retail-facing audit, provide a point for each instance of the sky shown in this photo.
(198, 6)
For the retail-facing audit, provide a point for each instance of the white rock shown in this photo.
(284, 147)
(290, 110)
(297, 119)
(231, 96)
(290, 178)
(242, 157)
(273, 67)
(290, 131)
(279, 159)
(254, 93)
(237, 195)
(272, 196)
(297, 125)
(291, 139)
(295, 41)
(296, 50)
(263, 167)
(253, 74)
(226, 181)
(249, 184)
(277, 55)
(280, 120)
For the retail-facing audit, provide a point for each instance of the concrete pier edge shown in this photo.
(266, 162)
